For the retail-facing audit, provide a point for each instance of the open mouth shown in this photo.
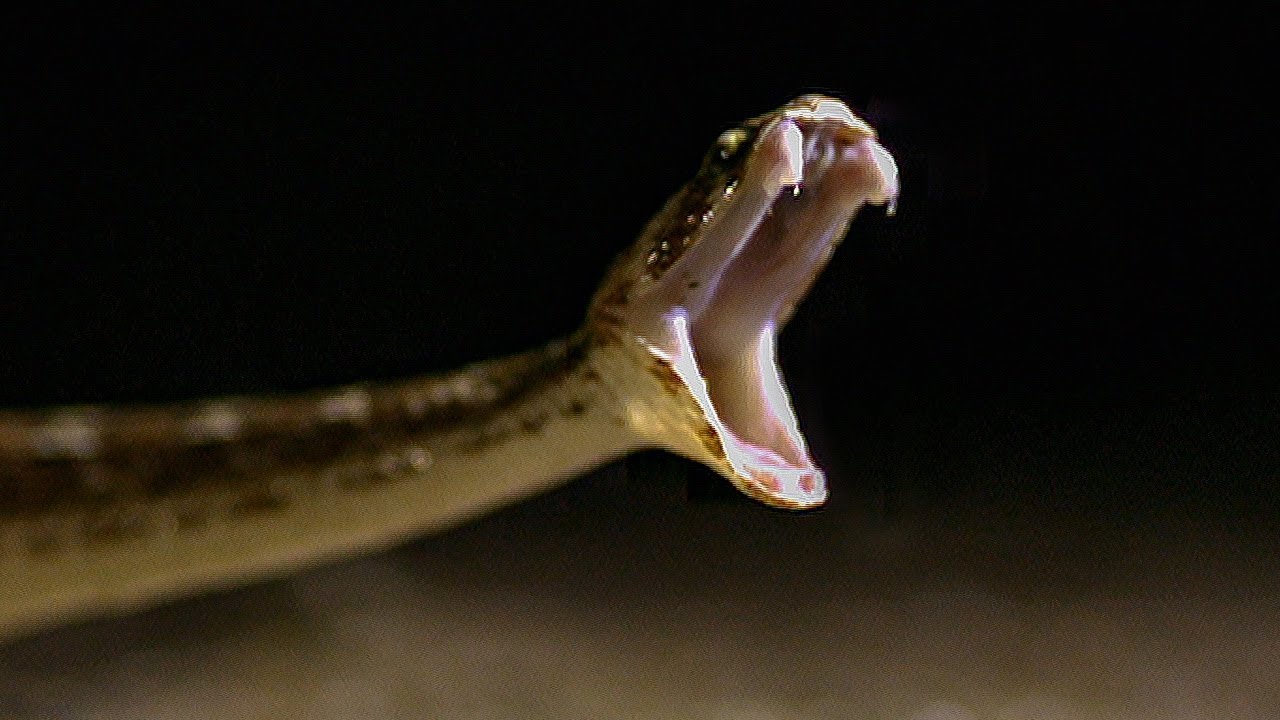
(768, 209)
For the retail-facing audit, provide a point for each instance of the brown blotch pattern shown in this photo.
(147, 460)
(711, 441)
(676, 228)
(666, 376)
(671, 383)
(697, 201)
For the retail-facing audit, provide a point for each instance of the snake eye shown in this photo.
(728, 150)
(731, 142)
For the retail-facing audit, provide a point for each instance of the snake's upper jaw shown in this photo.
(723, 267)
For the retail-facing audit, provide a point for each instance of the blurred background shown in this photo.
(1046, 391)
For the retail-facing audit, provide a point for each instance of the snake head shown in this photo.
(719, 271)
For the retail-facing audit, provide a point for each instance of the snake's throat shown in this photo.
(719, 308)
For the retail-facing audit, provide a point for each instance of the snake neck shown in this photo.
(106, 508)
(244, 450)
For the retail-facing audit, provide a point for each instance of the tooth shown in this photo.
(793, 142)
(888, 170)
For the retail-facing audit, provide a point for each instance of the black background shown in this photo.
(1046, 392)
(197, 202)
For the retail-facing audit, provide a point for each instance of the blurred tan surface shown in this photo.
(617, 598)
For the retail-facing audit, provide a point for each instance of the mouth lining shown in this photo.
(717, 308)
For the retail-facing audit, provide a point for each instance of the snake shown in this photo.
(112, 509)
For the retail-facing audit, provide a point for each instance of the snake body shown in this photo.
(106, 509)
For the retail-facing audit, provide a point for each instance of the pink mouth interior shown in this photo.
(752, 266)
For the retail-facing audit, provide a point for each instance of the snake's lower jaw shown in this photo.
(734, 414)
(708, 324)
